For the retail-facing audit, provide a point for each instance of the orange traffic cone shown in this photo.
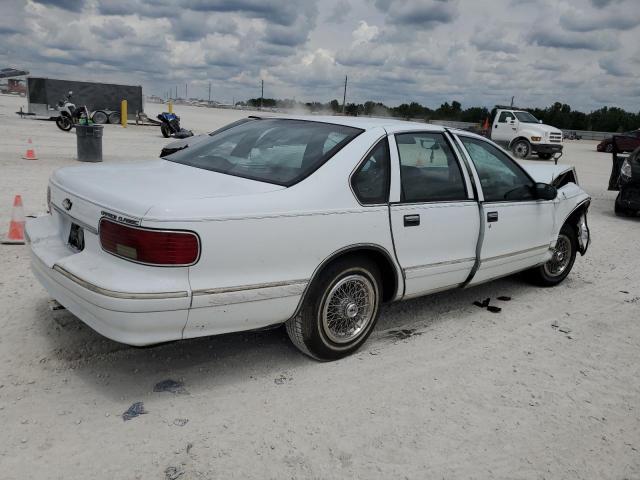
(16, 227)
(31, 153)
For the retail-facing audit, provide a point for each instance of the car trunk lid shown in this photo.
(125, 192)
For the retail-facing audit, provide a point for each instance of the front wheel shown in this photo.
(64, 123)
(521, 149)
(544, 156)
(609, 148)
(166, 133)
(558, 267)
(339, 310)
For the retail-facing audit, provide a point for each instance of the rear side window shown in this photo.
(279, 151)
(429, 172)
(371, 181)
(505, 116)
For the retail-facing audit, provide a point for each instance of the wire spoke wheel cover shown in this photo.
(348, 308)
(561, 257)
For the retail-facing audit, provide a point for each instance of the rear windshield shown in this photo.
(273, 150)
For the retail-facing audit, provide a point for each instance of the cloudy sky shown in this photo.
(479, 52)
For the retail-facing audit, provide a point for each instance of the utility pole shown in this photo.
(261, 94)
(344, 97)
(176, 91)
(186, 93)
(209, 92)
(512, 101)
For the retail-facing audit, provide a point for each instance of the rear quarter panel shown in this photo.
(275, 237)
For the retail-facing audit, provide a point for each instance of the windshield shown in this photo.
(272, 150)
(526, 117)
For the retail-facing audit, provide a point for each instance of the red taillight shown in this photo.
(155, 247)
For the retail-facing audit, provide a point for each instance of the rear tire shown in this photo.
(558, 267)
(166, 133)
(609, 148)
(339, 311)
(114, 118)
(64, 123)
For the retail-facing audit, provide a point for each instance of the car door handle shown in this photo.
(492, 217)
(411, 220)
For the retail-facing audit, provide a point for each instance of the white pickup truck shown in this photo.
(524, 134)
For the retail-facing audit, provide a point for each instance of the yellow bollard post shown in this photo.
(170, 106)
(123, 113)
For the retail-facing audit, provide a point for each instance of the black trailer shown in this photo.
(45, 93)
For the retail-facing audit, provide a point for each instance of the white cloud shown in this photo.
(477, 52)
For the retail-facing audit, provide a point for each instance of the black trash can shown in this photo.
(89, 138)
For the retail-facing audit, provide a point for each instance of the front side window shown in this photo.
(272, 150)
(371, 181)
(429, 171)
(501, 179)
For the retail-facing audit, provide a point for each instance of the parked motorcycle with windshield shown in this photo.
(70, 114)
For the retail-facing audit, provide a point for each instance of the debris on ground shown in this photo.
(404, 333)
(282, 379)
(172, 473)
(483, 304)
(54, 305)
(169, 385)
(181, 422)
(134, 410)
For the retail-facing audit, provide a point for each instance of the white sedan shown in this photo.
(313, 222)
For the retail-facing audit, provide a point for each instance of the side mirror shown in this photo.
(539, 121)
(544, 191)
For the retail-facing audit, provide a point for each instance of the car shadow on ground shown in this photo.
(119, 370)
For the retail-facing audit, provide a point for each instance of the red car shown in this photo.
(629, 141)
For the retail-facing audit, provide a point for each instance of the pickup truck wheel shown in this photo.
(558, 267)
(544, 156)
(521, 149)
(339, 310)
(609, 148)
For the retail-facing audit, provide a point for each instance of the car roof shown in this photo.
(365, 123)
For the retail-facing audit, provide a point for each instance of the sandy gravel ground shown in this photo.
(462, 393)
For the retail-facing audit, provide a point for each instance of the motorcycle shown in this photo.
(170, 126)
(70, 114)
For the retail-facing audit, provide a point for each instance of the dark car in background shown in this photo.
(625, 177)
(628, 141)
